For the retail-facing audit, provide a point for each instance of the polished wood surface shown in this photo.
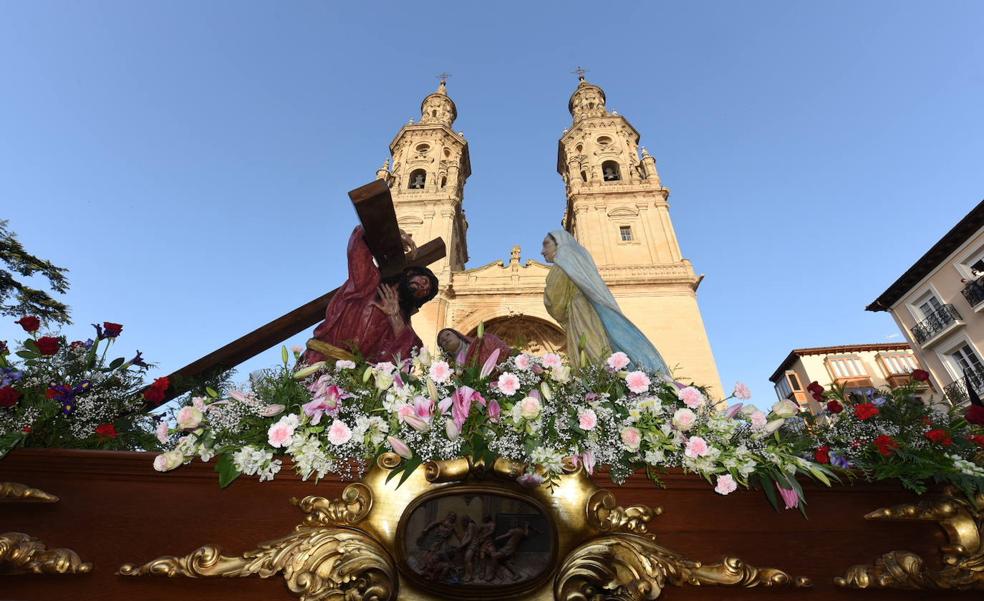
(115, 509)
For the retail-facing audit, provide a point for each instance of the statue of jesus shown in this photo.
(369, 316)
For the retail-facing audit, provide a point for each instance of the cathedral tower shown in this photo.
(430, 165)
(618, 209)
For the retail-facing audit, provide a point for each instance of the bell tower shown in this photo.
(430, 165)
(619, 210)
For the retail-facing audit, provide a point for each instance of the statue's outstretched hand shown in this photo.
(389, 300)
(409, 246)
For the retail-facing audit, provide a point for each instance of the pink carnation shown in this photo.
(637, 381)
(440, 371)
(684, 419)
(696, 447)
(742, 391)
(280, 433)
(631, 437)
(339, 433)
(552, 360)
(759, 420)
(587, 419)
(725, 485)
(523, 362)
(691, 397)
(508, 384)
(618, 361)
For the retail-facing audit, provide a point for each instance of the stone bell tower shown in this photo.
(618, 209)
(430, 165)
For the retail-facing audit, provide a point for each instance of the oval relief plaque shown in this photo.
(476, 541)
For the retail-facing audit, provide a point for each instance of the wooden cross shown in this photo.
(374, 206)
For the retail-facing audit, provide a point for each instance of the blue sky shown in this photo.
(189, 161)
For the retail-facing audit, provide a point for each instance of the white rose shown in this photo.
(785, 408)
(189, 418)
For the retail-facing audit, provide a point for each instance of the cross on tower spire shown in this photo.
(580, 71)
(443, 76)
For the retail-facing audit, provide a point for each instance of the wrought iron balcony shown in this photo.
(935, 322)
(957, 391)
(974, 292)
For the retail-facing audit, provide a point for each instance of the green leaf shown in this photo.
(411, 465)
(117, 362)
(26, 355)
(227, 470)
(32, 346)
(283, 354)
(211, 392)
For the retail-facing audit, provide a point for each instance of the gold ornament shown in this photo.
(23, 554)
(21, 493)
(605, 515)
(963, 556)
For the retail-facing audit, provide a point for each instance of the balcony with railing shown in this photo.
(956, 391)
(974, 293)
(941, 320)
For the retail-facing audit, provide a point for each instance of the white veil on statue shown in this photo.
(622, 334)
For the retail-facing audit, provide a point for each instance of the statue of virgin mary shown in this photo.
(577, 297)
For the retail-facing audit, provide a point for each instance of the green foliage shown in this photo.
(17, 298)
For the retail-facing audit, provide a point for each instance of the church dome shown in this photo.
(438, 107)
(588, 100)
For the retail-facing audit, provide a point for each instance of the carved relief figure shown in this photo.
(471, 351)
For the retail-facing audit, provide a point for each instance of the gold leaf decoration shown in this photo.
(22, 493)
(630, 567)
(353, 506)
(318, 564)
(963, 556)
(22, 553)
(606, 515)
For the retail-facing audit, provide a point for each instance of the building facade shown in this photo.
(857, 367)
(616, 206)
(938, 303)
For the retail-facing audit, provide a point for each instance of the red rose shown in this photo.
(834, 407)
(886, 445)
(26, 429)
(822, 455)
(977, 439)
(155, 392)
(106, 431)
(48, 345)
(975, 415)
(112, 330)
(9, 396)
(920, 375)
(865, 411)
(30, 323)
(815, 388)
(939, 436)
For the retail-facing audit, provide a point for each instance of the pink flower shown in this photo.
(733, 410)
(451, 430)
(552, 360)
(530, 480)
(404, 411)
(416, 423)
(399, 447)
(696, 447)
(631, 437)
(742, 391)
(423, 407)
(271, 410)
(508, 384)
(759, 420)
(339, 433)
(162, 432)
(445, 404)
(462, 402)
(440, 371)
(637, 381)
(618, 361)
(588, 459)
(587, 419)
(789, 497)
(529, 407)
(683, 419)
(494, 410)
(280, 433)
(725, 485)
(166, 462)
(691, 397)
(189, 418)
(327, 399)
(489, 364)
(523, 362)
(198, 403)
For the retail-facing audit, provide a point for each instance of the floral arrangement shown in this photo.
(335, 418)
(894, 434)
(55, 393)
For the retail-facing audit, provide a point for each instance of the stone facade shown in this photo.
(616, 207)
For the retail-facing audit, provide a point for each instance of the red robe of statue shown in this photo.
(478, 354)
(352, 322)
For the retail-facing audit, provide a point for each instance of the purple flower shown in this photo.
(878, 402)
(839, 461)
(137, 360)
(99, 331)
(9, 375)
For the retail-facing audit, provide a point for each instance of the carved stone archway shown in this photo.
(527, 333)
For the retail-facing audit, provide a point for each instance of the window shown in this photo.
(444, 182)
(929, 306)
(787, 384)
(584, 176)
(418, 179)
(898, 363)
(610, 171)
(625, 232)
(604, 142)
(793, 380)
(434, 113)
(846, 366)
(965, 358)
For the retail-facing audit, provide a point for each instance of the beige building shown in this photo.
(938, 305)
(857, 367)
(615, 206)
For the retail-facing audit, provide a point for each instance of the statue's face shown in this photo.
(419, 285)
(549, 250)
(448, 341)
